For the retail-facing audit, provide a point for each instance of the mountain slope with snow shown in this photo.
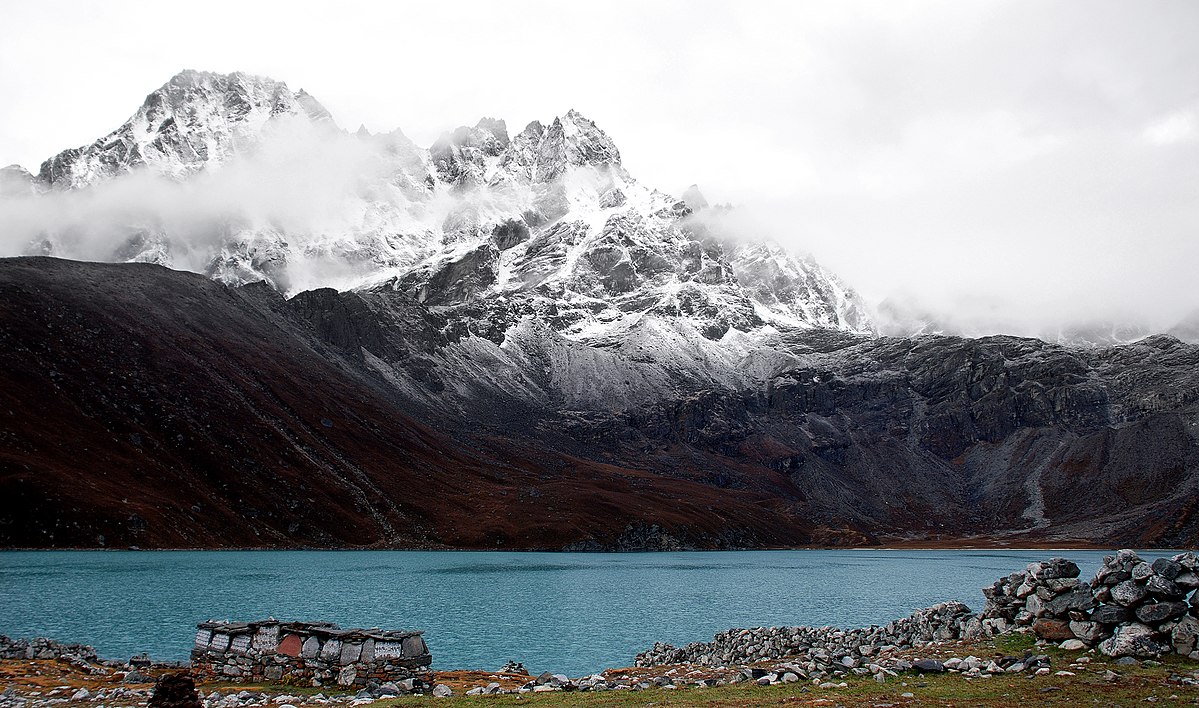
(549, 211)
(196, 120)
(365, 419)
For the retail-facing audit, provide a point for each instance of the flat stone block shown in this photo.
(312, 648)
(331, 650)
(203, 638)
(414, 646)
(388, 650)
(266, 639)
(290, 646)
(240, 644)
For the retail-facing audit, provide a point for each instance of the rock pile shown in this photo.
(1131, 608)
(42, 648)
(1144, 606)
(1045, 595)
(177, 690)
(314, 653)
(821, 649)
(881, 667)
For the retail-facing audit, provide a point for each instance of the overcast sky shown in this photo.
(1024, 162)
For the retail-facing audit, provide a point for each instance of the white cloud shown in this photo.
(1178, 127)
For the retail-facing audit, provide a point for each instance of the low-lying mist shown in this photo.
(296, 181)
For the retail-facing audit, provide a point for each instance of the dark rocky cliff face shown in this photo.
(157, 408)
(143, 406)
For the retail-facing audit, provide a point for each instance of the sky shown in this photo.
(1014, 165)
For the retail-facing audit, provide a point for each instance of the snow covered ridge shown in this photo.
(242, 179)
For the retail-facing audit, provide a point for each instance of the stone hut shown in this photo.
(310, 653)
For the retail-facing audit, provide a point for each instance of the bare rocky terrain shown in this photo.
(149, 407)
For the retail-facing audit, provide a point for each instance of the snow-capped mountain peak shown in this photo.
(541, 154)
(545, 220)
(195, 120)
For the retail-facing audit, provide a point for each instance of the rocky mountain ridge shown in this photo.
(244, 418)
(196, 120)
(546, 214)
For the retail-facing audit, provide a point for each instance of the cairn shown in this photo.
(1046, 596)
(177, 690)
(1131, 607)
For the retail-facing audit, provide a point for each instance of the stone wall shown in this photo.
(42, 648)
(306, 653)
(822, 647)
(1130, 608)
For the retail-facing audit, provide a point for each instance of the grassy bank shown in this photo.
(1090, 679)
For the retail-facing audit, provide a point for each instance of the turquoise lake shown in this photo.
(567, 612)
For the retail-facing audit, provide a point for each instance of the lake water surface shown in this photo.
(569, 612)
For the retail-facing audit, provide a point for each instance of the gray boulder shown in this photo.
(1111, 614)
(1128, 593)
(1188, 560)
(1187, 579)
(1167, 568)
(1158, 612)
(1053, 569)
(1089, 632)
(389, 688)
(1163, 587)
(1132, 640)
(1079, 598)
(1185, 635)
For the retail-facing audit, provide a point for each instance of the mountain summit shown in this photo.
(194, 120)
(259, 184)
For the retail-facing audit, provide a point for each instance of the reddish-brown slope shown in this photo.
(145, 406)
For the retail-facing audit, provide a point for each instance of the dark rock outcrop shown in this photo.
(144, 406)
(460, 421)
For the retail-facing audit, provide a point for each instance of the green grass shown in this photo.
(1016, 644)
(294, 689)
(1003, 692)
(1086, 688)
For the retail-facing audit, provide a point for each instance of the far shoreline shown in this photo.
(785, 549)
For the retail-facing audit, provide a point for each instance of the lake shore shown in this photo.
(891, 544)
(1071, 678)
(1045, 636)
(483, 609)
